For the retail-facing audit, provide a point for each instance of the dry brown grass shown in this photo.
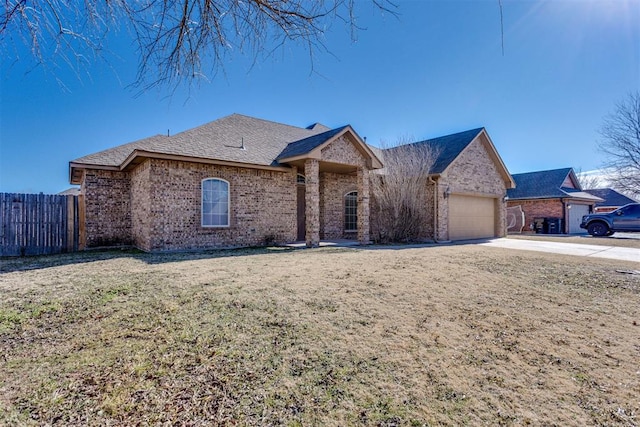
(448, 335)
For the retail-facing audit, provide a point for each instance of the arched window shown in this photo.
(351, 211)
(300, 179)
(215, 202)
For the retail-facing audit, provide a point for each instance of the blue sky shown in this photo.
(436, 69)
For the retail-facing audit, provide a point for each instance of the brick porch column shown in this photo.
(364, 236)
(312, 199)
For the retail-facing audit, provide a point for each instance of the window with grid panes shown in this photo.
(351, 211)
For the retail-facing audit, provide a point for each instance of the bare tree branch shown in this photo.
(621, 144)
(587, 181)
(177, 40)
(400, 192)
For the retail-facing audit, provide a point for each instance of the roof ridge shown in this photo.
(568, 169)
(229, 116)
(266, 121)
(476, 130)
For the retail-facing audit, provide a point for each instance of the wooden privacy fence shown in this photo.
(38, 224)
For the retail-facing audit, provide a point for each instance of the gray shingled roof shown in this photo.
(449, 147)
(610, 197)
(306, 145)
(235, 138)
(545, 185)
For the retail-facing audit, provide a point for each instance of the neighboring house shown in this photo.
(74, 191)
(469, 185)
(241, 181)
(553, 194)
(612, 199)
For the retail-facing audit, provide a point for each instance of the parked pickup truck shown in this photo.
(626, 218)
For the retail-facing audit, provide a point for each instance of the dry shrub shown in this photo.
(401, 200)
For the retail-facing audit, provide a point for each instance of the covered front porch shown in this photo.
(333, 191)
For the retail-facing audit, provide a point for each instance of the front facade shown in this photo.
(241, 181)
(551, 197)
(471, 193)
(466, 188)
(163, 194)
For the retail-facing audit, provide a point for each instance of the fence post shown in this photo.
(82, 237)
(70, 223)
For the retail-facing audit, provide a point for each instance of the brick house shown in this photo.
(469, 183)
(242, 181)
(553, 194)
(611, 199)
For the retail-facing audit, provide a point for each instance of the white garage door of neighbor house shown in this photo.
(575, 217)
(471, 217)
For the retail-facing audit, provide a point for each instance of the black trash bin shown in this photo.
(553, 225)
(538, 225)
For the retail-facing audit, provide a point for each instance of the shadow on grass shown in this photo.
(11, 264)
(398, 246)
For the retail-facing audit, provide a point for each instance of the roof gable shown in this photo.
(571, 181)
(306, 145)
(311, 147)
(549, 184)
(610, 197)
(539, 184)
(449, 147)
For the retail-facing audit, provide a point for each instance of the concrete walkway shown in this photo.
(342, 243)
(578, 249)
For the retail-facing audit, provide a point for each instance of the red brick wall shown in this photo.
(473, 173)
(333, 188)
(141, 219)
(157, 206)
(262, 206)
(108, 208)
(544, 208)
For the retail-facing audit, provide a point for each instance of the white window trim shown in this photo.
(228, 224)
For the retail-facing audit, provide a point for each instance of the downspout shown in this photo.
(435, 209)
(565, 215)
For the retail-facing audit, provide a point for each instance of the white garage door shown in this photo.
(471, 217)
(575, 217)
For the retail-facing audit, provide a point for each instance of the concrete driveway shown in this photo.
(578, 249)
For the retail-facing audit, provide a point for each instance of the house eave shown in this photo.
(493, 153)
(75, 170)
(300, 157)
(568, 198)
(138, 156)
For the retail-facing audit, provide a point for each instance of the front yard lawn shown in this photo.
(448, 335)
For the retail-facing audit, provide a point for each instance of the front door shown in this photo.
(302, 209)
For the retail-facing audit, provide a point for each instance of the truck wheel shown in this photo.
(598, 229)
